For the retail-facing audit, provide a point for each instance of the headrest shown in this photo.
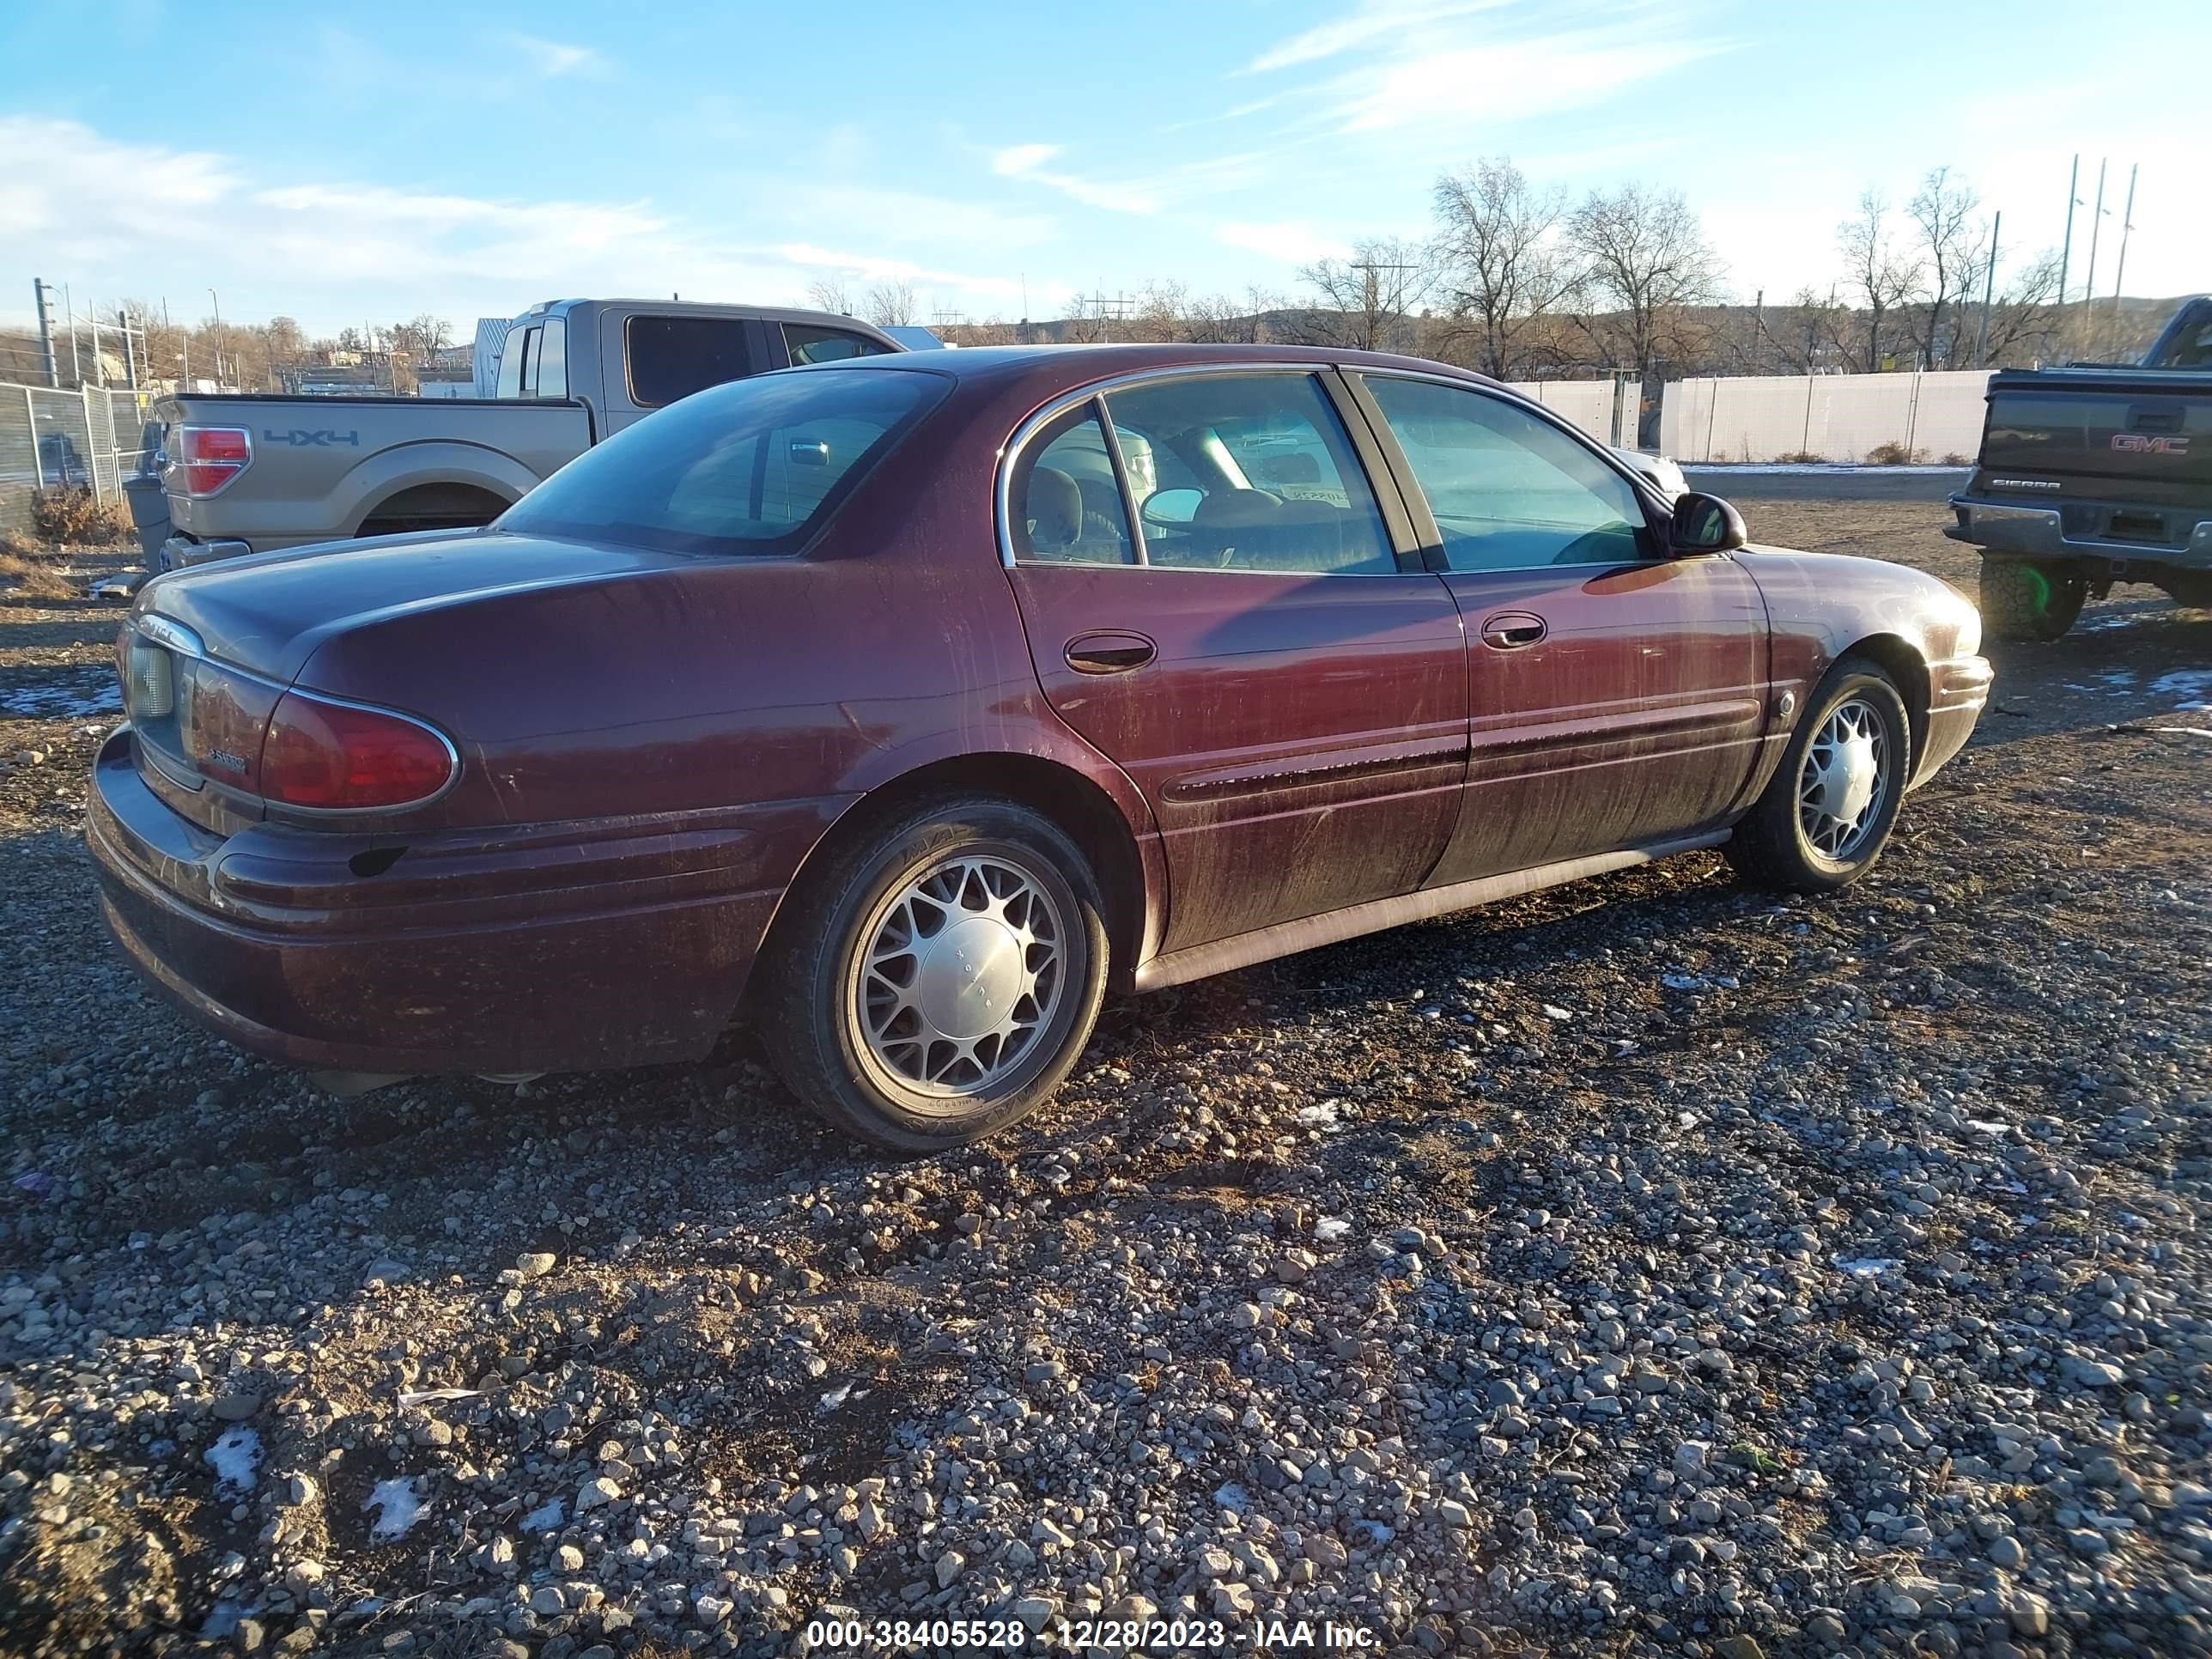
(1234, 508)
(1056, 508)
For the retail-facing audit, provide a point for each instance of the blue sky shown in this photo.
(343, 164)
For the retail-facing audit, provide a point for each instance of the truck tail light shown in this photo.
(210, 457)
(339, 756)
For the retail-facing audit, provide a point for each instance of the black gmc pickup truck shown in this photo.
(2091, 475)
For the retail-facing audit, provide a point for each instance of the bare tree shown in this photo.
(891, 303)
(1503, 269)
(1880, 276)
(1952, 241)
(830, 294)
(1645, 254)
(2025, 315)
(1367, 301)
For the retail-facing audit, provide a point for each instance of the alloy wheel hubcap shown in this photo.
(962, 968)
(1844, 779)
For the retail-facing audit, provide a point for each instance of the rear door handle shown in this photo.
(1513, 631)
(1109, 654)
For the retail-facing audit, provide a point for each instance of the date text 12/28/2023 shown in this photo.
(1078, 1635)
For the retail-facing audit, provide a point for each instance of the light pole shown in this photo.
(217, 304)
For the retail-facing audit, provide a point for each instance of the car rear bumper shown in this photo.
(553, 947)
(2077, 529)
(1958, 691)
(180, 550)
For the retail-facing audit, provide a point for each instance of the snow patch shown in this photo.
(235, 1457)
(399, 1505)
(544, 1518)
(70, 695)
(1322, 1114)
(2194, 684)
(1866, 1267)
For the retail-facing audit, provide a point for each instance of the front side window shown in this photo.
(1509, 490)
(807, 344)
(1248, 472)
(751, 467)
(672, 357)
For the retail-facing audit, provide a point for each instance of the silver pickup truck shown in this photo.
(245, 473)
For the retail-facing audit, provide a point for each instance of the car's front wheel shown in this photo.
(935, 980)
(2024, 600)
(1826, 813)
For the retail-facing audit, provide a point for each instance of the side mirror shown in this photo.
(1171, 507)
(1703, 524)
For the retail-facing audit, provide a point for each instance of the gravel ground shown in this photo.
(1646, 1266)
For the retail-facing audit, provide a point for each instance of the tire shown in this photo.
(1790, 841)
(867, 1046)
(2023, 600)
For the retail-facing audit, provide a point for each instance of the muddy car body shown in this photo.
(1023, 671)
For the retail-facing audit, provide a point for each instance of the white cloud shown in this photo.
(1429, 66)
(121, 220)
(1027, 161)
(1369, 25)
(879, 268)
(1293, 241)
(553, 58)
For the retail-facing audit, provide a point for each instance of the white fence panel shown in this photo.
(1590, 404)
(1831, 418)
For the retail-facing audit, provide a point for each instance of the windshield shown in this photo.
(750, 467)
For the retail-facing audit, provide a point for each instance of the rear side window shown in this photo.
(1066, 505)
(809, 344)
(672, 357)
(753, 467)
(514, 353)
(550, 371)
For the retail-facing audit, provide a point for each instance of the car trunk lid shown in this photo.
(208, 651)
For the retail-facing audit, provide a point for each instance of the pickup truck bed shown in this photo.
(371, 465)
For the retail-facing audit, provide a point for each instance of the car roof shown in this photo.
(1058, 367)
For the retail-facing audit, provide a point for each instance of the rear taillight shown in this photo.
(210, 457)
(339, 756)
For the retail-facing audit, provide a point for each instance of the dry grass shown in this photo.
(70, 514)
(28, 572)
(1895, 454)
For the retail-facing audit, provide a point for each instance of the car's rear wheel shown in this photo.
(934, 982)
(1826, 813)
(2024, 600)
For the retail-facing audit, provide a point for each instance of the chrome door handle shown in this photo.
(1109, 654)
(1513, 631)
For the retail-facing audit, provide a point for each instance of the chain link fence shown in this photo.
(98, 438)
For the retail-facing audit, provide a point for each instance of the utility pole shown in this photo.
(2089, 288)
(69, 315)
(1374, 294)
(1989, 291)
(1758, 327)
(2066, 253)
(43, 291)
(217, 304)
(2127, 224)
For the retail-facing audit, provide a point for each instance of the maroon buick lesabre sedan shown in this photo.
(903, 705)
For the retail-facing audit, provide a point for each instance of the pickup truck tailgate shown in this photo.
(2101, 434)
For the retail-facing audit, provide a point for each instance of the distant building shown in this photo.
(491, 335)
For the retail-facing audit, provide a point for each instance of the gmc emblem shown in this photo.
(2140, 443)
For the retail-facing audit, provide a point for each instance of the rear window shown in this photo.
(745, 468)
(672, 357)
